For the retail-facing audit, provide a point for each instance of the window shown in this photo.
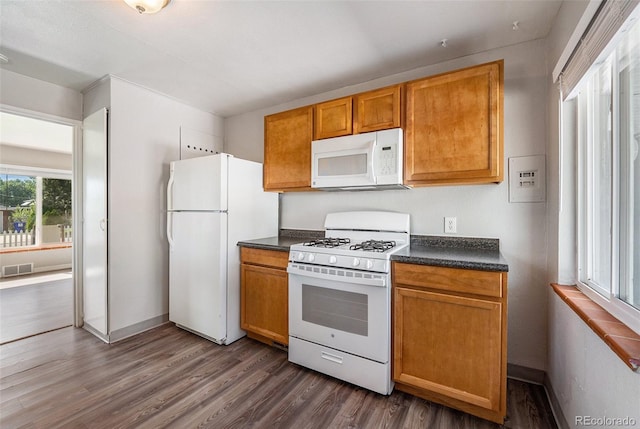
(609, 181)
(36, 209)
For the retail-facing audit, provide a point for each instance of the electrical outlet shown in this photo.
(450, 226)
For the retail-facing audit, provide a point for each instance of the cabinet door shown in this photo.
(449, 345)
(287, 150)
(454, 127)
(377, 110)
(265, 302)
(334, 118)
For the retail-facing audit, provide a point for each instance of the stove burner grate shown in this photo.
(374, 245)
(327, 242)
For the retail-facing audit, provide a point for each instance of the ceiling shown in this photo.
(231, 57)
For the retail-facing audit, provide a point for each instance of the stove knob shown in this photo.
(300, 256)
(333, 259)
(369, 264)
(311, 257)
(356, 262)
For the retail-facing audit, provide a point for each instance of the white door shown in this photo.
(94, 233)
(198, 272)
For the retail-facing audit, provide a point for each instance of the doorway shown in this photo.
(39, 218)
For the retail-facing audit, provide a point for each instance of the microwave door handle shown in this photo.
(372, 151)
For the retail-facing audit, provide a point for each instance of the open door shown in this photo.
(94, 224)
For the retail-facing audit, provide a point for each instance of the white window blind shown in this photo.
(597, 42)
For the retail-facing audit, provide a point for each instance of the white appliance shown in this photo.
(212, 203)
(340, 297)
(368, 161)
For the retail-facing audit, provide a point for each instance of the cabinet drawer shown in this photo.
(486, 283)
(269, 258)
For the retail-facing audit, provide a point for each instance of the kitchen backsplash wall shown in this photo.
(481, 210)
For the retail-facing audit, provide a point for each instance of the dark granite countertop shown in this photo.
(454, 252)
(283, 241)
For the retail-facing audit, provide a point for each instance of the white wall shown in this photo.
(585, 375)
(24, 92)
(15, 155)
(482, 210)
(43, 260)
(587, 378)
(144, 138)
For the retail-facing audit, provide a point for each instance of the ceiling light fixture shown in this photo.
(147, 6)
(443, 43)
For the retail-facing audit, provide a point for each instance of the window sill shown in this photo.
(52, 246)
(621, 339)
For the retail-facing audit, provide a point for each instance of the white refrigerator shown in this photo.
(212, 203)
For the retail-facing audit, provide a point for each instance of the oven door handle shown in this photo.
(344, 279)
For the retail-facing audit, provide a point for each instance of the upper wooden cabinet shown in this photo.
(454, 127)
(334, 118)
(378, 110)
(287, 150)
(375, 110)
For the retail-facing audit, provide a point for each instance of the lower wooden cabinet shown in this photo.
(449, 337)
(264, 295)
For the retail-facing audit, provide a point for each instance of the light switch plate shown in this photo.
(527, 179)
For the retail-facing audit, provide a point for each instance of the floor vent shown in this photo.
(17, 270)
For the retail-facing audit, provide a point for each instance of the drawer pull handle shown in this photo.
(330, 357)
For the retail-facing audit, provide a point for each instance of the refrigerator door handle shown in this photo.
(170, 191)
(169, 229)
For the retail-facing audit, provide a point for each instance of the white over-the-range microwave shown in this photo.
(368, 161)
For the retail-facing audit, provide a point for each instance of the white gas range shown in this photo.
(340, 297)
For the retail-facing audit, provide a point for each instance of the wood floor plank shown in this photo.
(170, 378)
(32, 309)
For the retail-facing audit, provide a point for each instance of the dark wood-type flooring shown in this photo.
(168, 377)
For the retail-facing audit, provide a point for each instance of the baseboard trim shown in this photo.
(95, 332)
(523, 373)
(561, 421)
(145, 325)
(538, 376)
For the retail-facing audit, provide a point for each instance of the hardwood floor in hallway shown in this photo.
(168, 377)
(34, 304)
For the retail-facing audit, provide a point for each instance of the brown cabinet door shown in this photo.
(287, 150)
(378, 110)
(449, 345)
(334, 118)
(454, 127)
(265, 302)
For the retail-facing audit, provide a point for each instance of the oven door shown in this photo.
(346, 310)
